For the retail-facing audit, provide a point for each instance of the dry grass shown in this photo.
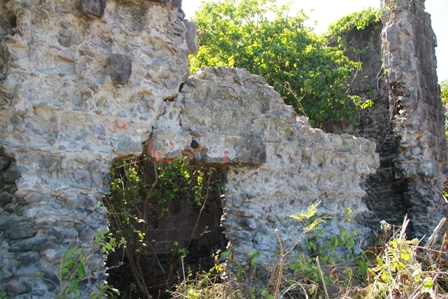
(399, 269)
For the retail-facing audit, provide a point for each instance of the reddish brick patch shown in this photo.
(225, 158)
(122, 123)
(154, 154)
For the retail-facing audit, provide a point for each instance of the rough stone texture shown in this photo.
(63, 120)
(277, 166)
(406, 119)
(191, 37)
(93, 7)
(384, 192)
(416, 111)
(119, 67)
(66, 114)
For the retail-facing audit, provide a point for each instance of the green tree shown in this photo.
(339, 32)
(444, 92)
(269, 41)
(444, 96)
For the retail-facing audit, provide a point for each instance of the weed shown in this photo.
(72, 269)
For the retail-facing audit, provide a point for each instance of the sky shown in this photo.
(325, 12)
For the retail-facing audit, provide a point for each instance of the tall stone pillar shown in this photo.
(416, 110)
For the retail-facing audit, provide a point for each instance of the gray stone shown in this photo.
(26, 272)
(5, 26)
(16, 287)
(73, 203)
(51, 277)
(11, 175)
(67, 38)
(276, 164)
(97, 180)
(129, 145)
(2, 262)
(5, 198)
(47, 161)
(33, 244)
(93, 7)
(86, 235)
(98, 129)
(28, 258)
(79, 174)
(80, 226)
(55, 231)
(90, 201)
(4, 164)
(33, 197)
(7, 222)
(101, 210)
(252, 150)
(21, 231)
(59, 120)
(191, 40)
(147, 50)
(119, 68)
(38, 292)
(95, 166)
(4, 68)
(67, 56)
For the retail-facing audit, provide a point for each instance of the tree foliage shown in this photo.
(269, 41)
(339, 32)
(444, 92)
(444, 96)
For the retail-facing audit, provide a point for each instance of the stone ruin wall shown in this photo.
(276, 165)
(407, 119)
(86, 82)
(417, 113)
(83, 83)
(384, 192)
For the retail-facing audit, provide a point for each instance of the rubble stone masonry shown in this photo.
(85, 82)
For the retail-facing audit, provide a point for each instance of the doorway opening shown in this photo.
(164, 220)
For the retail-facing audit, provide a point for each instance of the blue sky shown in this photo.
(327, 11)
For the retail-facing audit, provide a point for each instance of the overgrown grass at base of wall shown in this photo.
(394, 268)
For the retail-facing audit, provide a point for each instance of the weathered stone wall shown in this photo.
(276, 165)
(86, 82)
(416, 110)
(406, 120)
(82, 83)
(384, 192)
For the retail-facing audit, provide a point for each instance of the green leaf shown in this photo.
(350, 243)
(309, 74)
(428, 283)
(253, 262)
(334, 242)
(81, 271)
(379, 260)
(64, 271)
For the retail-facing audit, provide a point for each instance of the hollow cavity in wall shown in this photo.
(164, 219)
